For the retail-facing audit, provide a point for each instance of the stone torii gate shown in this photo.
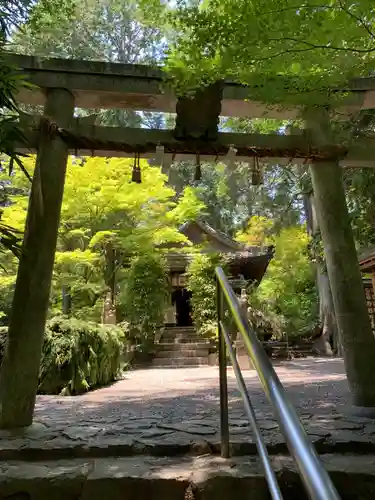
(62, 85)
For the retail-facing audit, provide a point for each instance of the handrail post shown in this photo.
(224, 419)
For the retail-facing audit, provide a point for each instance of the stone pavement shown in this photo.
(174, 412)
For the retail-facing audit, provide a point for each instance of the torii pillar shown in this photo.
(20, 367)
(348, 294)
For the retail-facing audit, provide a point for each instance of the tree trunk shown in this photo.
(66, 301)
(327, 317)
(343, 270)
(109, 306)
(20, 366)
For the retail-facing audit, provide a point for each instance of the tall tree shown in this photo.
(329, 332)
(94, 30)
(231, 198)
(97, 30)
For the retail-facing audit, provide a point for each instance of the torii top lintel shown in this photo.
(113, 85)
(128, 86)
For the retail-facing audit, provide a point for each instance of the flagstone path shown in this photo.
(176, 411)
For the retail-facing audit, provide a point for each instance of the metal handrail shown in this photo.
(314, 476)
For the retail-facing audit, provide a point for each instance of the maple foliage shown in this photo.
(285, 51)
(101, 206)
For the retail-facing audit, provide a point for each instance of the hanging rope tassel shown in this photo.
(136, 173)
(198, 170)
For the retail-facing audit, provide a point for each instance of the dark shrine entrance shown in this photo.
(181, 300)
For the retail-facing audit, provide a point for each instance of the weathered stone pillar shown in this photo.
(20, 366)
(348, 295)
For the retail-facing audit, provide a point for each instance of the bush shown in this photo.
(209, 330)
(201, 282)
(143, 298)
(7, 284)
(288, 288)
(77, 356)
(265, 322)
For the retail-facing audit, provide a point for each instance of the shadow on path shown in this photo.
(315, 386)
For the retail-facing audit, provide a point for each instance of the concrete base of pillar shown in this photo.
(213, 359)
(242, 356)
(360, 411)
(34, 431)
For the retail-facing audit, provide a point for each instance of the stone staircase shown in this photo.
(181, 347)
(283, 350)
(206, 477)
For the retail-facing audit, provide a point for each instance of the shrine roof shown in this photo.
(366, 258)
(199, 232)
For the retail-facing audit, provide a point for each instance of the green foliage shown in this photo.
(107, 30)
(208, 330)
(315, 250)
(257, 232)
(255, 125)
(360, 195)
(84, 29)
(143, 297)
(102, 211)
(265, 321)
(77, 356)
(7, 284)
(288, 288)
(286, 52)
(10, 83)
(230, 199)
(201, 282)
(12, 14)
(8, 269)
(189, 206)
(78, 272)
(15, 12)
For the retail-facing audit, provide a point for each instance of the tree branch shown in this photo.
(324, 47)
(357, 18)
(282, 53)
(295, 8)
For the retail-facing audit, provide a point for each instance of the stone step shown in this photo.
(290, 348)
(205, 477)
(292, 352)
(182, 346)
(181, 340)
(179, 328)
(188, 353)
(180, 334)
(171, 329)
(180, 362)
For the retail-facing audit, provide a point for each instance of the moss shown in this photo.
(77, 356)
